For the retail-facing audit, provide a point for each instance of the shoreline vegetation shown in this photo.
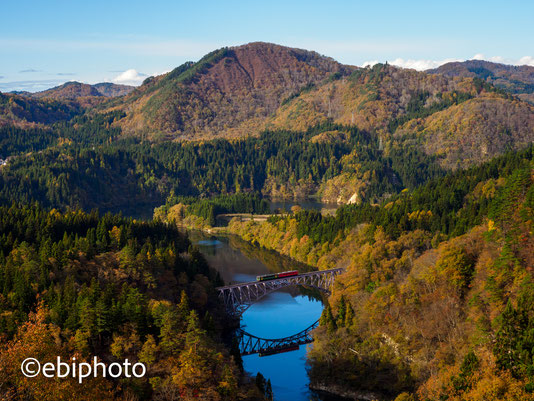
(428, 306)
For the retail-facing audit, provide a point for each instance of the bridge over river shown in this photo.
(238, 298)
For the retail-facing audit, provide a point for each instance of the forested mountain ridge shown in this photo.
(303, 125)
(242, 91)
(228, 93)
(518, 80)
(74, 90)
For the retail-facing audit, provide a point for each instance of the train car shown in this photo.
(288, 274)
(266, 277)
(277, 275)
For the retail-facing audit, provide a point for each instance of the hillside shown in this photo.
(78, 285)
(436, 298)
(75, 90)
(370, 98)
(518, 80)
(463, 121)
(227, 93)
(473, 131)
(21, 111)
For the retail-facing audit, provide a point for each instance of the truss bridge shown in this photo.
(238, 298)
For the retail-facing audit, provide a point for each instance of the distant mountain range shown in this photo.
(461, 112)
(518, 80)
(74, 90)
(27, 109)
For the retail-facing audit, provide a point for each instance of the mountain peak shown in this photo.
(71, 90)
(74, 90)
(234, 90)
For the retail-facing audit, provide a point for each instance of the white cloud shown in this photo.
(527, 60)
(422, 65)
(494, 59)
(419, 65)
(130, 77)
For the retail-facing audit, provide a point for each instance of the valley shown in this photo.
(419, 184)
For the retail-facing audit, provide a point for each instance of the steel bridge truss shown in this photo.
(250, 344)
(238, 298)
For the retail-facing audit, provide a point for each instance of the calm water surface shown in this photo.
(280, 314)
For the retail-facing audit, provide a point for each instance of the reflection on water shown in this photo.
(238, 261)
(279, 314)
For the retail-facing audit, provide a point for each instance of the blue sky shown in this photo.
(45, 43)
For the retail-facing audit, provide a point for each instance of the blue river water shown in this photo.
(280, 314)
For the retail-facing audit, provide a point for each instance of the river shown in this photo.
(280, 314)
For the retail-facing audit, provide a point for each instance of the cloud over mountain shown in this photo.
(130, 77)
(424, 64)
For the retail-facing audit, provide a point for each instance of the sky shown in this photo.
(46, 43)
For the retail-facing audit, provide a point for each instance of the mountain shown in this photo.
(518, 80)
(462, 121)
(26, 109)
(75, 90)
(228, 93)
(241, 91)
(68, 91)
